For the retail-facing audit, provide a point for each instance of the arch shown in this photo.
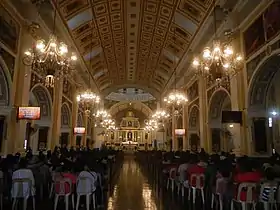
(263, 83)
(65, 115)
(134, 105)
(152, 91)
(80, 120)
(194, 118)
(219, 101)
(5, 84)
(41, 97)
(261, 80)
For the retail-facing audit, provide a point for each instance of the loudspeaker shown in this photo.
(232, 117)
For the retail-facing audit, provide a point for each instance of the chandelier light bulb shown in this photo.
(27, 53)
(196, 62)
(226, 65)
(74, 57)
(239, 58)
(40, 45)
(206, 53)
(63, 49)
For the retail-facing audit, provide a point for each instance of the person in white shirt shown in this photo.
(23, 173)
(92, 179)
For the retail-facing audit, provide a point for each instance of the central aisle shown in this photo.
(133, 192)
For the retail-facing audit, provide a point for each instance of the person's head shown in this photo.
(22, 163)
(194, 159)
(41, 156)
(214, 159)
(203, 158)
(269, 174)
(29, 155)
(86, 168)
(244, 165)
(225, 173)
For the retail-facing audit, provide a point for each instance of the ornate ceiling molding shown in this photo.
(134, 42)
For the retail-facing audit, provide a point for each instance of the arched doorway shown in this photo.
(264, 104)
(65, 124)
(37, 131)
(219, 137)
(193, 128)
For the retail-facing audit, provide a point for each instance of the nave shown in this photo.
(135, 191)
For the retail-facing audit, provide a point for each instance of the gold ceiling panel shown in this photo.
(133, 41)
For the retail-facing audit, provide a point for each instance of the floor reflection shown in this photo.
(132, 190)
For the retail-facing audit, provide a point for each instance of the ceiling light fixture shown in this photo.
(50, 60)
(87, 100)
(220, 61)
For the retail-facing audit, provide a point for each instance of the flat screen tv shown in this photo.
(28, 113)
(232, 117)
(180, 132)
(79, 130)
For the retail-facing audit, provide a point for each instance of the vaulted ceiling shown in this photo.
(133, 41)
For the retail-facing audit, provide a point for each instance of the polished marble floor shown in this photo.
(132, 191)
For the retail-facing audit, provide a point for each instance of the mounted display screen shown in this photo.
(232, 117)
(79, 130)
(180, 132)
(28, 113)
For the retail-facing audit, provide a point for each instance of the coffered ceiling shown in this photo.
(134, 42)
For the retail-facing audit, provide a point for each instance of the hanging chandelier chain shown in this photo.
(215, 19)
(54, 19)
(175, 98)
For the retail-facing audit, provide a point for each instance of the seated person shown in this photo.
(270, 176)
(23, 173)
(182, 169)
(91, 175)
(65, 173)
(245, 173)
(198, 167)
(222, 181)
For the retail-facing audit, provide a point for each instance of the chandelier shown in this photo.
(151, 125)
(108, 124)
(160, 114)
(50, 60)
(102, 114)
(176, 98)
(220, 60)
(87, 99)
